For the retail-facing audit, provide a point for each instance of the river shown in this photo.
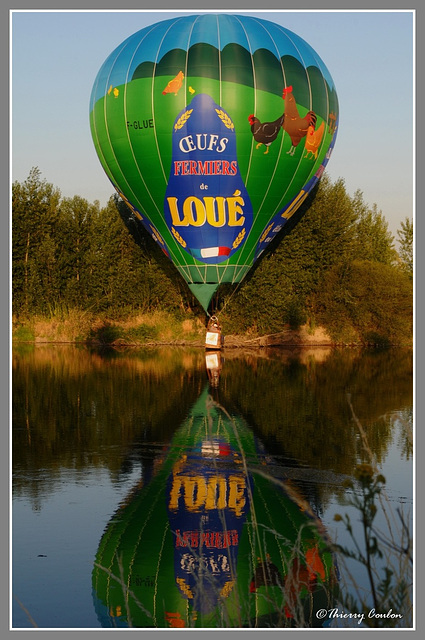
(170, 487)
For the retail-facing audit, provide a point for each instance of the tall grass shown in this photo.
(72, 325)
(386, 555)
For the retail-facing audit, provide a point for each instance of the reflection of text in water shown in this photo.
(190, 564)
(208, 539)
(216, 492)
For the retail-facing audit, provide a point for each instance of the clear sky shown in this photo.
(55, 56)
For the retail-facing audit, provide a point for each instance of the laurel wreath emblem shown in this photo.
(265, 232)
(178, 237)
(225, 119)
(156, 235)
(227, 589)
(183, 119)
(239, 239)
(184, 587)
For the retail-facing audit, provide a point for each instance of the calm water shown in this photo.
(143, 465)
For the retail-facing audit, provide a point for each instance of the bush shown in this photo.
(296, 314)
(107, 333)
(142, 333)
(23, 333)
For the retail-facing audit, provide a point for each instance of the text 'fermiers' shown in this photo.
(204, 142)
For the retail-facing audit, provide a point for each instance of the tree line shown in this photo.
(337, 267)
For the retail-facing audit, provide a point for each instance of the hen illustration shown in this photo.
(175, 84)
(313, 140)
(295, 126)
(265, 132)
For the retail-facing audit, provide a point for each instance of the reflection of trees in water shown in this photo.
(74, 409)
(404, 420)
(299, 409)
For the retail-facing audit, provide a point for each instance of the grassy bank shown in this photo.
(158, 327)
(161, 327)
(82, 327)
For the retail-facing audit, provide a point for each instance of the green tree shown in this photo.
(77, 219)
(367, 300)
(46, 274)
(34, 218)
(168, 287)
(280, 288)
(128, 277)
(405, 238)
(336, 267)
(323, 237)
(374, 240)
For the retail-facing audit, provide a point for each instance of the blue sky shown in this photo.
(55, 56)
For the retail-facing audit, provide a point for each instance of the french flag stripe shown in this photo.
(213, 252)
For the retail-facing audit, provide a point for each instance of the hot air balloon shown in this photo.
(213, 129)
(211, 541)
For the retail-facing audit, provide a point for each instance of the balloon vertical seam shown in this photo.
(128, 133)
(237, 264)
(255, 95)
(106, 123)
(184, 267)
(183, 257)
(157, 571)
(219, 59)
(282, 139)
(98, 147)
(153, 101)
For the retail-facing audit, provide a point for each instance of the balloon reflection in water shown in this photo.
(211, 541)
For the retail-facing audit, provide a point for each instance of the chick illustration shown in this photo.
(191, 90)
(313, 140)
(175, 84)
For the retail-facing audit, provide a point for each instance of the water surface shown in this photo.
(97, 435)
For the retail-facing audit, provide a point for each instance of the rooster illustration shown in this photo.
(175, 84)
(294, 125)
(265, 132)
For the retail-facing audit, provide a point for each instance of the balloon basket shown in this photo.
(213, 338)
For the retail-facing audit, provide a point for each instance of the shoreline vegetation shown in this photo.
(161, 328)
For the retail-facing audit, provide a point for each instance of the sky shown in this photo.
(55, 57)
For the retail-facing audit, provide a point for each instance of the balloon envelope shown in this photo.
(213, 129)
